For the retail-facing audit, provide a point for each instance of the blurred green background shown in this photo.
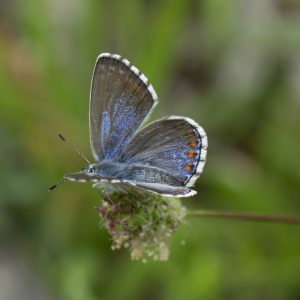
(233, 66)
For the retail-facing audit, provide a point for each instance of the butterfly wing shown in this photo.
(83, 177)
(119, 185)
(104, 182)
(167, 190)
(121, 98)
(175, 145)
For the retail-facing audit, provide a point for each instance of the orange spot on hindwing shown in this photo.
(191, 154)
(193, 143)
(188, 167)
(190, 133)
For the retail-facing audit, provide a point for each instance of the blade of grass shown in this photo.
(245, 216)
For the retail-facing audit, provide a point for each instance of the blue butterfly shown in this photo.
(165, 157)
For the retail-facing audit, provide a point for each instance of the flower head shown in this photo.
(141, 221)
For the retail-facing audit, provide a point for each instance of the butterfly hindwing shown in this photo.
(175, 145)
(167, 190)
(140, 173)
(121, 98)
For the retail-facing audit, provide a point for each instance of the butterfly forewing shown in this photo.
(83, 177)
(121, 98)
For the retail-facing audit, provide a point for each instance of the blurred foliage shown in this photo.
(233, 66)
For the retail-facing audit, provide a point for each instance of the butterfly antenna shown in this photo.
(52, 187)
(73, 147)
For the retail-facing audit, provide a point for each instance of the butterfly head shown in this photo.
(90, 170)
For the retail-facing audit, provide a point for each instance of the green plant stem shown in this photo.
(245, 216)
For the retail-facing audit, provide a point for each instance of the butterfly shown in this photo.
(165, 157)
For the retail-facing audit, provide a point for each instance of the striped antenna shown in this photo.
(52, 187)
(73, 147)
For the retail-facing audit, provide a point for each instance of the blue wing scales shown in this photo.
(121, 98)
(176, 145)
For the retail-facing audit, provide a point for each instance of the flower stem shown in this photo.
(245, 216)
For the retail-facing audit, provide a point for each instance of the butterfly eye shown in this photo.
(91, 170)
